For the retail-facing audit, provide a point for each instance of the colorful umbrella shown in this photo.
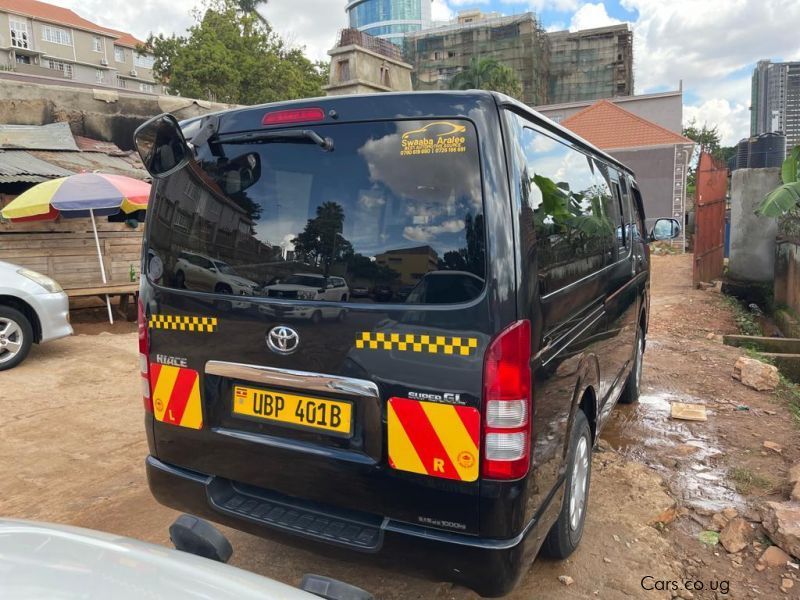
(81, 195)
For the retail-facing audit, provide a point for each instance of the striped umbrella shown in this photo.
(81, 195)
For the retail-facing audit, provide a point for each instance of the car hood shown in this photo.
(39, 560)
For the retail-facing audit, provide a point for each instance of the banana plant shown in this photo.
(785, 198)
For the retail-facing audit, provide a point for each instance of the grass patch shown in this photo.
(745, 320)
(746, 481)
(789, 392)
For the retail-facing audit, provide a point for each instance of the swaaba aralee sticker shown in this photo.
(438, 137)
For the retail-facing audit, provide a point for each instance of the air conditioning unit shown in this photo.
(104, 62)
(134, 73)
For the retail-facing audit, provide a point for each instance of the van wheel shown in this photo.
(566, 533)
(630, 395)
(16, 337)
(316, 317)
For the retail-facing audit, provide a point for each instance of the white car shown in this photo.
(43, 560)
(198, 272)
(309, 286)
(33, 309)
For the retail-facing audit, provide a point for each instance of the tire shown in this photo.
(342, 316)
(565, 535)
(316, 317)
(223, 288)
(180, 280)
(16, 337)
(630, 394)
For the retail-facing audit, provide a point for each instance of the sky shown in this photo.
(708, 46)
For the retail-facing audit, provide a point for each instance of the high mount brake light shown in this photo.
(507, 403)
(294, 115)
(144, 357)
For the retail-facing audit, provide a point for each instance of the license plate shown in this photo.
(304, 412)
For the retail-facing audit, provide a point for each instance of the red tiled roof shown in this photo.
(608, 126)
(123, 38)
(63, 16)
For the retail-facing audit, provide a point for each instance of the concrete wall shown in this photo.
(102, 114)
(752, 255)
(653, 168)
(663, 109)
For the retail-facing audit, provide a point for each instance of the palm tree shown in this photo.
(250, 7)
(487, 74)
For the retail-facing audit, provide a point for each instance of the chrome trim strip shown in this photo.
(300, 380)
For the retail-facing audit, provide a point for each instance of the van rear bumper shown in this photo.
(491, 567)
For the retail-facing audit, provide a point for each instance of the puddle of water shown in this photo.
(683, 452)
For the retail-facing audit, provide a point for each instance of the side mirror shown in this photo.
(665, 229)
(161, 145)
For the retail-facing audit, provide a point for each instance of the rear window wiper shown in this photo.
(291, 135)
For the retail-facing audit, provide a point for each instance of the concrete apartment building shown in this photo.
(553, 68)
(48, 42)
(775, 100)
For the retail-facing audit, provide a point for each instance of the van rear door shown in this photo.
(289, 385)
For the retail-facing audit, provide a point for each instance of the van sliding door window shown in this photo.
(566, 202)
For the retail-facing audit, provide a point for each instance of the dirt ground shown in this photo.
(72, 450)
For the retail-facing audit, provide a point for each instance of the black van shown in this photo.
(441, 418)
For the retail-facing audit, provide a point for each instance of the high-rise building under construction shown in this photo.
(590, 64)
(552, 67)
(518, 42)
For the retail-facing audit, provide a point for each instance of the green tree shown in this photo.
(487, 74)
(322, 242)
(231, 54)
(708, 140)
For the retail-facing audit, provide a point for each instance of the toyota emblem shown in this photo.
(283, 340)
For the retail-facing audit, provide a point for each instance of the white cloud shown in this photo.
(711, 46)
(731, 119)
(313, 26)
(440, 11)
(590, 16)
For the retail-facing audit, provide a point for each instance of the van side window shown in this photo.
(568, 203)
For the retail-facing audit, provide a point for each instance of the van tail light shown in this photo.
(507, 403)
(144, 357)
(293, 115)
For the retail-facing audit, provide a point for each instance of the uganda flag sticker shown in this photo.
(439, 440)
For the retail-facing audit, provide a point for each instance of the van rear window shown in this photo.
(393, 212)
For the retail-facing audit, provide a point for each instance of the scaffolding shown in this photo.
(518, 42)
(590, 64)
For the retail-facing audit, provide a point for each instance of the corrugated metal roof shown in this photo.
(77, 162)
(55, 136)
(18, 165)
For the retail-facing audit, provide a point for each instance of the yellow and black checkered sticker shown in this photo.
(406, 342)
(178, 323)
